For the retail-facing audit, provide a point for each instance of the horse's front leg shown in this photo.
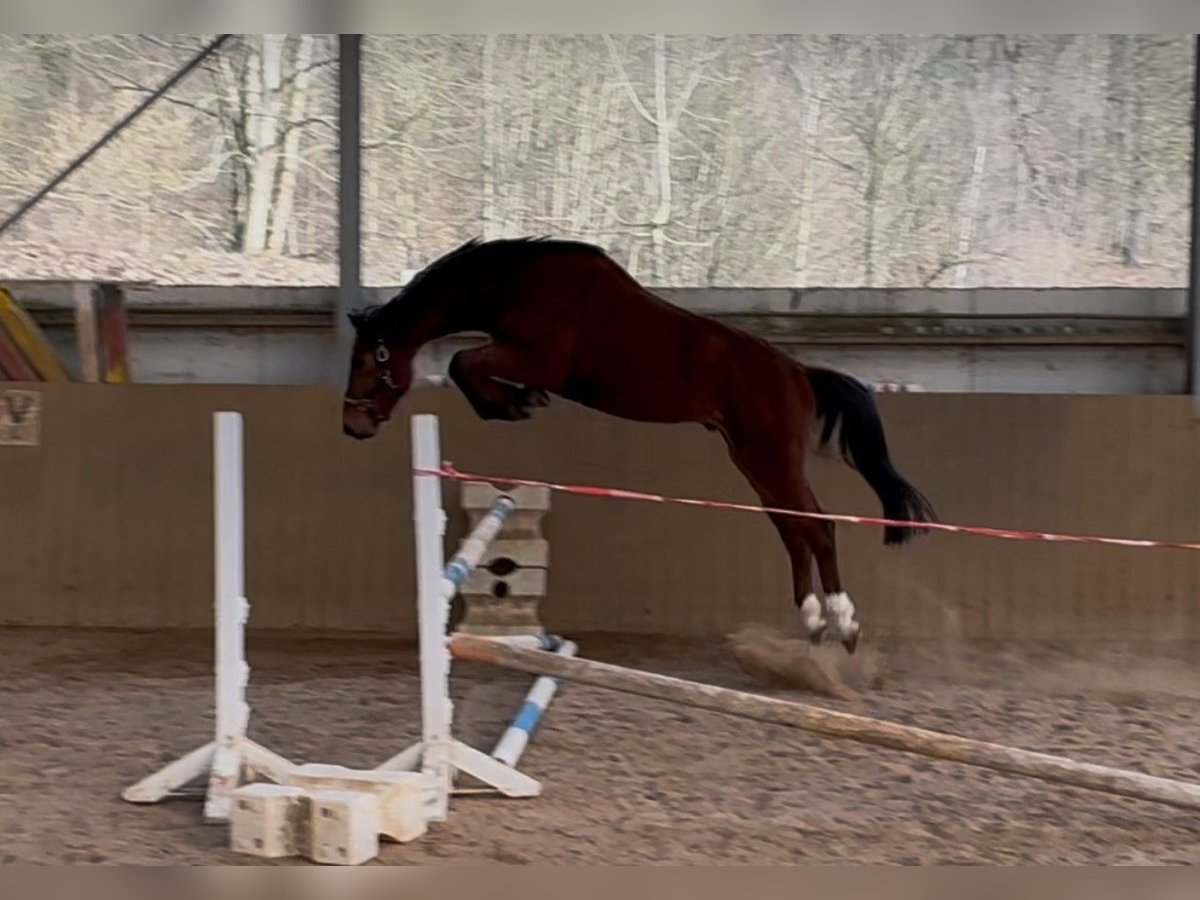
(495, 381)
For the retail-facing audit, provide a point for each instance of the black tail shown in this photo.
(841, 398)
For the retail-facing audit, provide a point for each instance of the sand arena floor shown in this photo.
(626, 780)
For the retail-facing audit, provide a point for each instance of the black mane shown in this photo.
(375, 317)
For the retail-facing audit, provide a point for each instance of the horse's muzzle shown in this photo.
(358, 423)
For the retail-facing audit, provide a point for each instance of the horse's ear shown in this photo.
(356, 319)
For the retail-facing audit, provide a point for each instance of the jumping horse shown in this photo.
(565, 318)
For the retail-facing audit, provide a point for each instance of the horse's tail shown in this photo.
(846, 400)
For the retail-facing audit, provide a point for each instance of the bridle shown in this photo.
(382, 356)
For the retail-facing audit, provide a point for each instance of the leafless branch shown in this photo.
(630, 92)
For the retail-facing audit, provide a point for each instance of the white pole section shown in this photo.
(433, 614)
(231, 608)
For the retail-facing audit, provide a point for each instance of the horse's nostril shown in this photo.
(348, 431)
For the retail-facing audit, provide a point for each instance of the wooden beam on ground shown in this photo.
(832, 723)
(30, 340)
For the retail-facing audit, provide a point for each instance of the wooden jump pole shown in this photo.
(831, 723)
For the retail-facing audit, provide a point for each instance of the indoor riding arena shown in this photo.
(517, 627)
(1077, 650)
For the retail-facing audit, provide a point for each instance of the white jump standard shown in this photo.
(439, 755)
(230, 753)
(413, 787)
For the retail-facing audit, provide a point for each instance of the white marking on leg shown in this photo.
(841, 610)
(810, 614)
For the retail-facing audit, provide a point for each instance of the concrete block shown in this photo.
(479, 495)
(343, 827)
(401, 795)
(268, 820)
(521, 583)
(525, 553)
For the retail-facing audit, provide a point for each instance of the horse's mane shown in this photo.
(499, 250)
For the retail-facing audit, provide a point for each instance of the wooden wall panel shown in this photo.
(109, 522)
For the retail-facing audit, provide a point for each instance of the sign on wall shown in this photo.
(20, 418)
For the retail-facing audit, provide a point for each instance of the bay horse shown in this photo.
(565, 318)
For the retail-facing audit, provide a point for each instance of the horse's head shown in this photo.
(380, 374)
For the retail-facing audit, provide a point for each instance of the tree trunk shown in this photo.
(731, 164)
(560, 185)
(285, 201)
(662, 157)
(525, 136)
(870, 198)
(264, 78)
(491, 223)
(967, 225)
(1134, 163)
(1118, 140)
(580, 162)
(804, 226)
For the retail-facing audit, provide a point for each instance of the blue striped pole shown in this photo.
(514, 740)
(459, 569)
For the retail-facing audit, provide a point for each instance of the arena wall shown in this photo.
(107, 520)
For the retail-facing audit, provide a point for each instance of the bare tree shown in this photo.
(664, 120)
(892, 104)
(740, 160)
(491, 225)
(262, 102)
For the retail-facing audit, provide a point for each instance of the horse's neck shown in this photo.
(429, 321)
(413, 328)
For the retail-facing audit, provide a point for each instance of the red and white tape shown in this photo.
(449, 471)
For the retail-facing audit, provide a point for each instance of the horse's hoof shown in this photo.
(516, 413)
(812, 620)
(530, 399)
(850, 642)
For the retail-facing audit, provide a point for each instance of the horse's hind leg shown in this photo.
(800, 556)
(821, 538)
(780, 481)
(808, 540)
